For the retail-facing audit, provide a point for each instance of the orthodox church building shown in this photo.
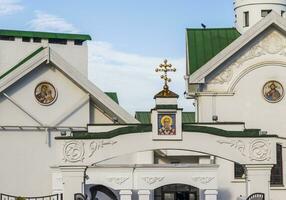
(62, 138)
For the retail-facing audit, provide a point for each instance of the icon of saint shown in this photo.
(273, 94)
(166, 126)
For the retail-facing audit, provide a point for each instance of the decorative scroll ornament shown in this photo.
(236, 144)
(274, 43)
(97, 145)
(73, 151)
(259, 150)
(165, 68)
(203, 180)
(118, 180)
(152, 180)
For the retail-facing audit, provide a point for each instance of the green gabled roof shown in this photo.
(21, 62)
(204, 44)
(44, 35)
(145, 117)
(188, 117)
(113, 96)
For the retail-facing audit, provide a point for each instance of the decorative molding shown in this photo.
(73, 151)
(117, 180)
(260, 150)
(97, 145)
(272, 44)
(152, 180)
(203, 180)
(239, 145)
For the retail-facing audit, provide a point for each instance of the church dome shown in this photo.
(249, 12)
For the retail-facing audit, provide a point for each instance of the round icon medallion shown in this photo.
(273, 91)
(45, 93)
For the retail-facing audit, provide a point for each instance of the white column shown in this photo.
(258, 179)
(72, 180)
(125, 194)
(144, 194)
(211, 194)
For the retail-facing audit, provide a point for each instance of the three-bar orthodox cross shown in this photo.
(165, 68)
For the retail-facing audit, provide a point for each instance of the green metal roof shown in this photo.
(204, 44)
(21, 62)
(145, 117)
(113, 96)
(44, 35)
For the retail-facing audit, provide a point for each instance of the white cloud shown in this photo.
(8, 7)
(48, 22)
(133, 76)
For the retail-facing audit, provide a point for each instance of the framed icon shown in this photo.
(45, 93)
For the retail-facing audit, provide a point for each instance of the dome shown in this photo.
(249, 12)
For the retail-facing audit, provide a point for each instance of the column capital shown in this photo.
(125, 192)
(78, 168)
(144, 192)
(211, 192)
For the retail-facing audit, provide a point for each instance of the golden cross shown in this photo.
(165, 67)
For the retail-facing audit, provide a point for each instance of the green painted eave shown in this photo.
(44, 35)
(143, 128)
(21, 62)
(113, 96)
(145, 117)
(131, 129)
(204, 44)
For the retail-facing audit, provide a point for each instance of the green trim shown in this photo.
(113, 96)
(22, 62)
(167, 107)
(142, 128)
(224, 133)
(145, 117)
(204, 44)
(44, 35)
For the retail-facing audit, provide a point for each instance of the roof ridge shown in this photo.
(222, 28)
(44, 35)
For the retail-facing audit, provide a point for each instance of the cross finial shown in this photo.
(165, 68)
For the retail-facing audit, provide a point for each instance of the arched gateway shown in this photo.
(82, 155)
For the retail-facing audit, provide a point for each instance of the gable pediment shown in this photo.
(269, 48)
(239, 46)
(46, 58)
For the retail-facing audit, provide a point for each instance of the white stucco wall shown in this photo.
(12, 52)
(22, 92)
(233, 92)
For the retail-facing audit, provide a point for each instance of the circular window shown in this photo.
(45, 93)
(273, 91)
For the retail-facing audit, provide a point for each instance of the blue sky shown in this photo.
(129, 37)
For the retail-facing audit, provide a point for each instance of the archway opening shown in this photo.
(97, 192)
(177, 192)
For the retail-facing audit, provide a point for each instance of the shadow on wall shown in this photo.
(224, 194)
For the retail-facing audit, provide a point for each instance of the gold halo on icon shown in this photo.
(166, 117)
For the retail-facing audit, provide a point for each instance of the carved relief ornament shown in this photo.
(73, 151)
(274, 43)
